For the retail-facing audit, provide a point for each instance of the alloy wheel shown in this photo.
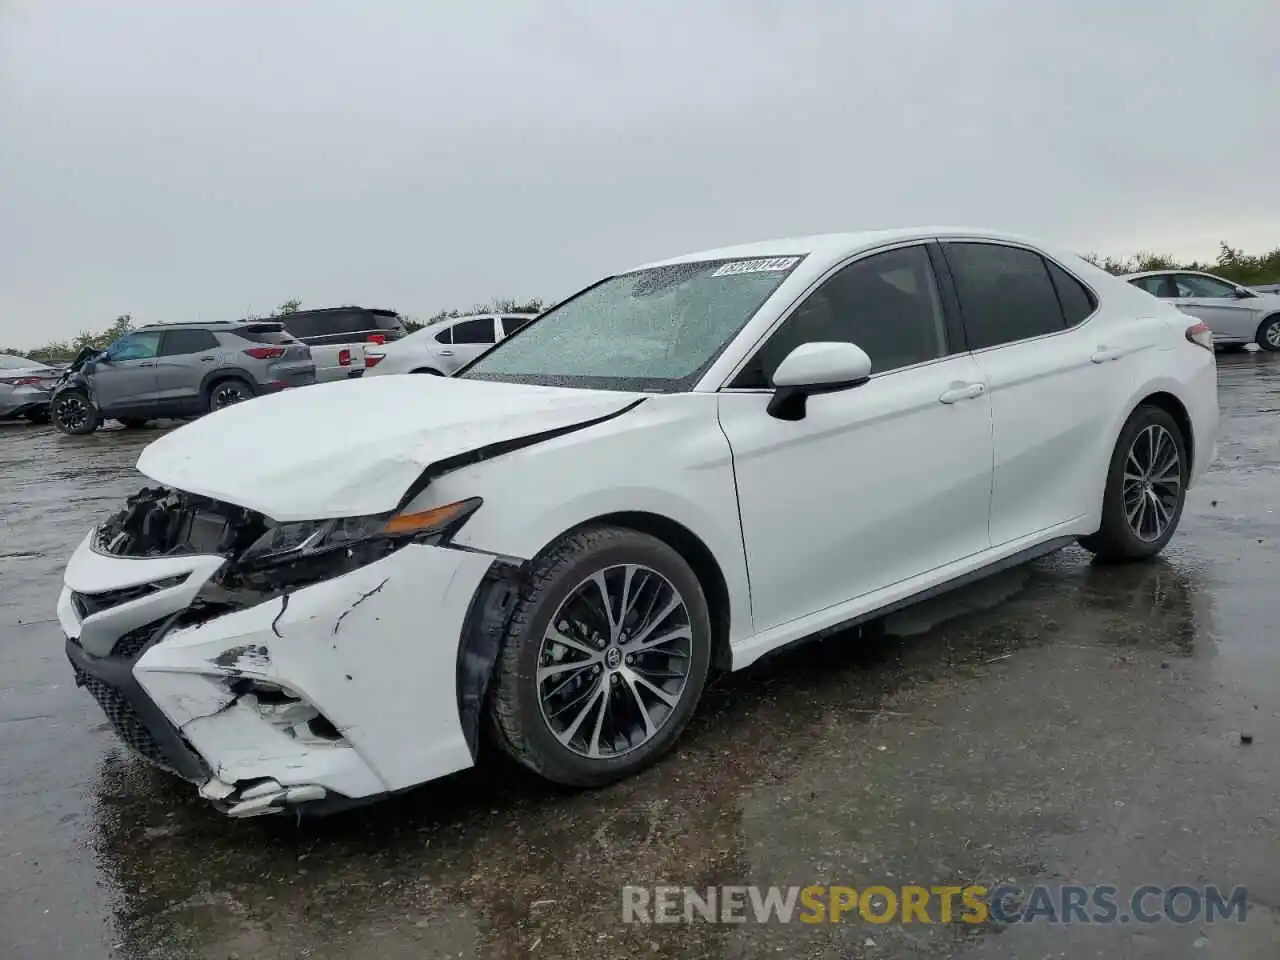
(1152, 482)
(1272, 335)
(72, 413)
(227, 394)
(614, 661)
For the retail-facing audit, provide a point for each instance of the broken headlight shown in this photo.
(289, 542)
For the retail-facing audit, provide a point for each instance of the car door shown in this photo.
(1215, 301)
(877, 483)
(471, 338)
(184, 358)
(1056, 378)
(125, 378)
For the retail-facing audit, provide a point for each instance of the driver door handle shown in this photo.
(965, 391)
(1105, 354)
(147, 363)
(446, 353)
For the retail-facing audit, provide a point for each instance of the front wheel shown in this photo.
(74, 414)
(1145, 491)
(1269, 334)
(604, 660)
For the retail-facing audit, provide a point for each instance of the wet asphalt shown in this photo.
(1061, 722)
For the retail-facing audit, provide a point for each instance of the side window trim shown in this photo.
(1045, 258)
(953, 347)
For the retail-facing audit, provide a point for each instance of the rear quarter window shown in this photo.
(266, 334)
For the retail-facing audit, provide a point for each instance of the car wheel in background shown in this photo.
(1269, 334)
(1232, 347)
(1146, 488)
(74, 414)
(434, 373)
(39, 416)
(228, 392)
(604, 659)
(133, 423)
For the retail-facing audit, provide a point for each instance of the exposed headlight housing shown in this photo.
(287, 542)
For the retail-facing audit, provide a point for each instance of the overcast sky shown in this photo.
(183, 160)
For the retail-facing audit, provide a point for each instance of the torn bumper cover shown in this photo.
(313, 695)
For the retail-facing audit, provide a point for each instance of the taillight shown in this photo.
(22, 381)
(265, 353)
(344, 357)
(377, 338)
(1201, 336)
(373, 359)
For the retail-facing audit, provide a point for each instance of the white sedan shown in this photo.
(684, 467)
(444, 347)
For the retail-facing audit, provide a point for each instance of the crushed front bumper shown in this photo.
(336, 693)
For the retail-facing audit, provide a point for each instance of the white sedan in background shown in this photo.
(686, 466)
(443, 347)
(1236, 314)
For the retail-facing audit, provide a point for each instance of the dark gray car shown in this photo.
(177, 371)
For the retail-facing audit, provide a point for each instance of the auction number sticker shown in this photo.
(770, 265)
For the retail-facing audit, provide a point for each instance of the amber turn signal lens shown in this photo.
(429, 520)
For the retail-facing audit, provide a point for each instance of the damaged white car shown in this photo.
(333, 594)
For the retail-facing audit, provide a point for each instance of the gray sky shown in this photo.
(176, 159)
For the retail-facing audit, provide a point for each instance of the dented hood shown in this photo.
(355, 447)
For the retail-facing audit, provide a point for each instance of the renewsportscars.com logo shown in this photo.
(1066, 904)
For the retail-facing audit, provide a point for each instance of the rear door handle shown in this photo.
(966, 391)
(208, 359)
(446, 353)
(149, 363)
(1105, 354)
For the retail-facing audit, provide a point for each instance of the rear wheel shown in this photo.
(1269, 334)
(74, 414)
(1145, 491)
(604, 660)
(228, 392)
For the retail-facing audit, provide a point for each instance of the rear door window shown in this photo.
(1005, 293)
(178, 343)
(479, 330)
(445, 335)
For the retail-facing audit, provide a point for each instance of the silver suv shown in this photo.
(178, 370)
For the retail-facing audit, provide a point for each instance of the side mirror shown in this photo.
(1244, 293)
(816, 368)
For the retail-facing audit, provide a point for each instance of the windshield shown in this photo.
(656, 329)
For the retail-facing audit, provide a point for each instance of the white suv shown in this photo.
(442, 348)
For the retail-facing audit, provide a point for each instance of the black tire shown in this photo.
(74, 414)
(1268, 337)
(39, 416)
(428, 370)
(520, 724)
(1116, 540)
(132, 423)
(1232, 347)
(227, 392)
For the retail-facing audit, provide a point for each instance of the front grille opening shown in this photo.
(131, 645)
(126, 722)
(87, 604)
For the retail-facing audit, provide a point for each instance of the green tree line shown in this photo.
(63, 350)
(1231, 264)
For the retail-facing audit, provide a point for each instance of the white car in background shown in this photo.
(444, 347)
(1236, 314)
(690, 464)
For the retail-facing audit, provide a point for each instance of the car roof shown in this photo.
(1159, 273)
(824, 250)
(226, 325)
